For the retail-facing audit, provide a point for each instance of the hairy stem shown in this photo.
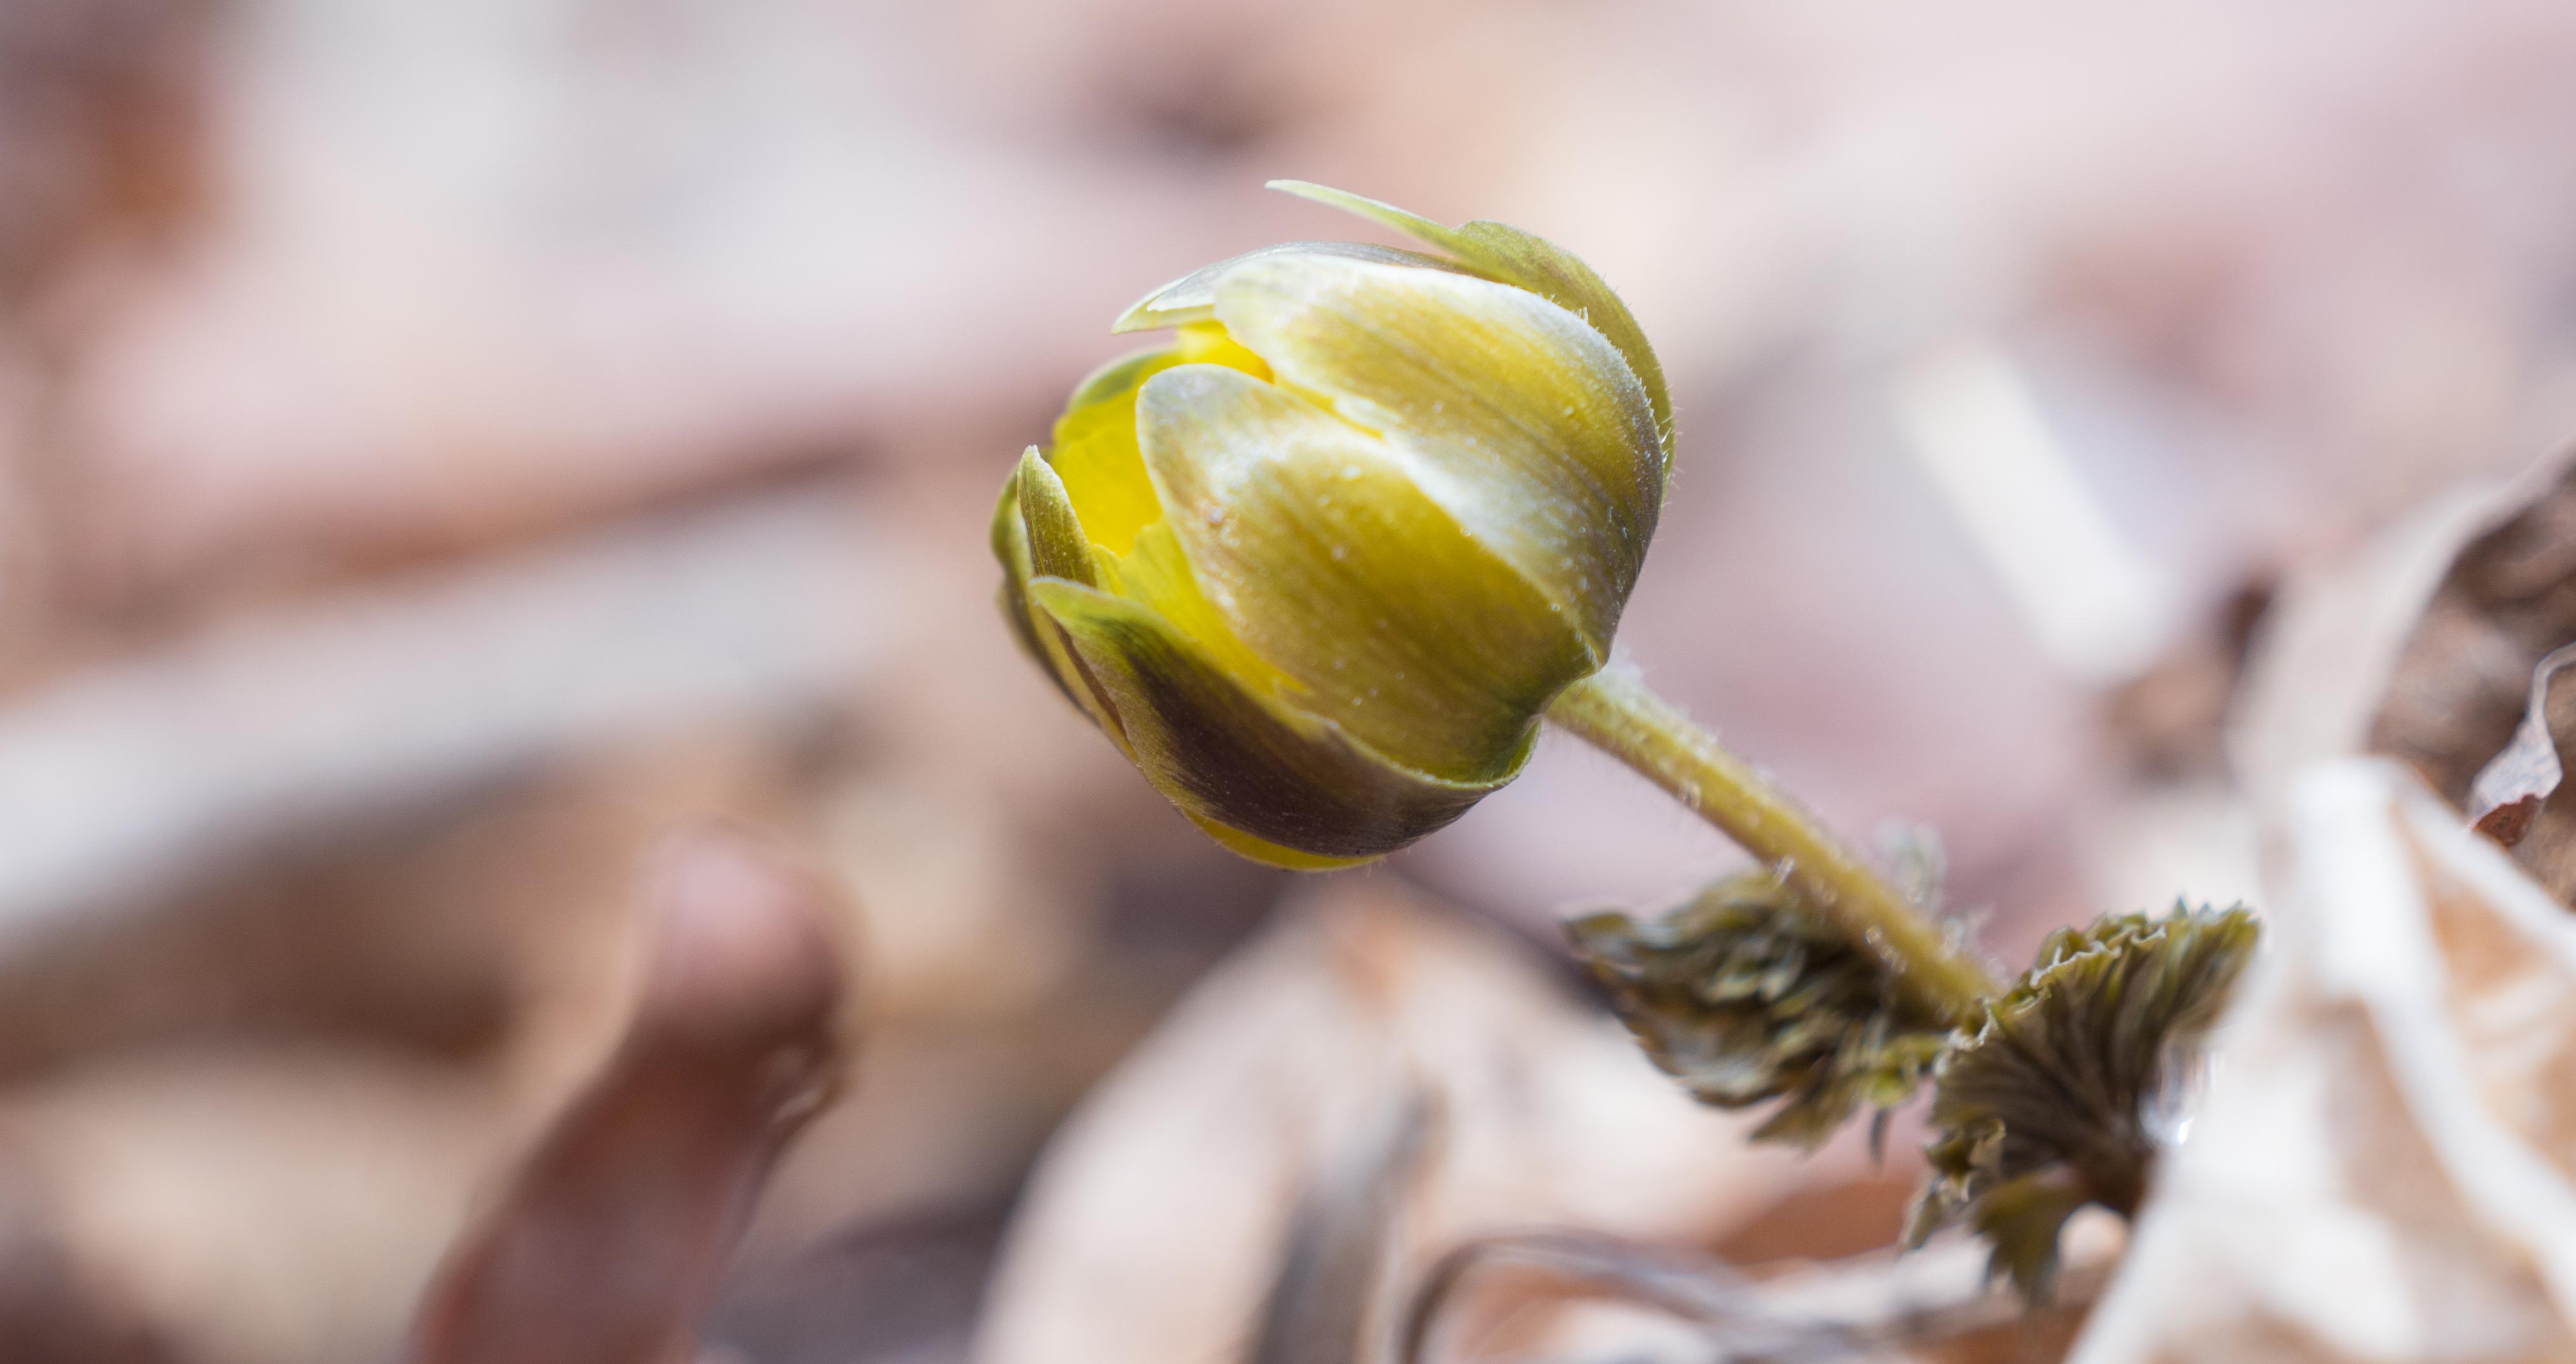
(1613, 711)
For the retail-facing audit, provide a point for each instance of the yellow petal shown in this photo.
(1231, 758)
(1513, 256)
(1095, 451)
(1506, 409)
(1157, 576)
(1207, 342)
(1311, 541)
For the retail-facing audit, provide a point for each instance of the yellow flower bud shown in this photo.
(1319, 565)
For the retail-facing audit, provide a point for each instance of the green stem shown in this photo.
(1613, 711)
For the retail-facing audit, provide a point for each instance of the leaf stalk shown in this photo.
(1614, 711)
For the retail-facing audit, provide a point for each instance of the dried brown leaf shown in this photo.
(1153, 1227)
(2462, 681)
(2508, 792)
(1326, 1300)
(2438, 645)
(612, 1235)
(2381, 1169)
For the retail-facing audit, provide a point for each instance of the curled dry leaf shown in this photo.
(2420, 648)
(2385, 1165)
(611, 1236)
(1327, 1302)
(2505, 599)
(2381, 1168)
(1935, 1304)
(2442, 645)
(1153, 1227)
(2510, 791)
(1693, 1288)
(2521, 798)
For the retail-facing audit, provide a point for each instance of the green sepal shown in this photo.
(1057, 546)
(1011, 549)
(1326, 559)
(1227, 756)
(1042, 640)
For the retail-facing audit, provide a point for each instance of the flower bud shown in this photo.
(1319, 565)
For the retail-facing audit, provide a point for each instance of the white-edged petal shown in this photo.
(1512, 413)
(1192, 297)
(1314, 544)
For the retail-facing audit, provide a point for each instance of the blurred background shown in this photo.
(443, 447)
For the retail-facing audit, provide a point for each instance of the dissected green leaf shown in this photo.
(2054, 1101)
(1746, 995)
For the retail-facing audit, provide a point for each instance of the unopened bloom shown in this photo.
(1319, 565)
